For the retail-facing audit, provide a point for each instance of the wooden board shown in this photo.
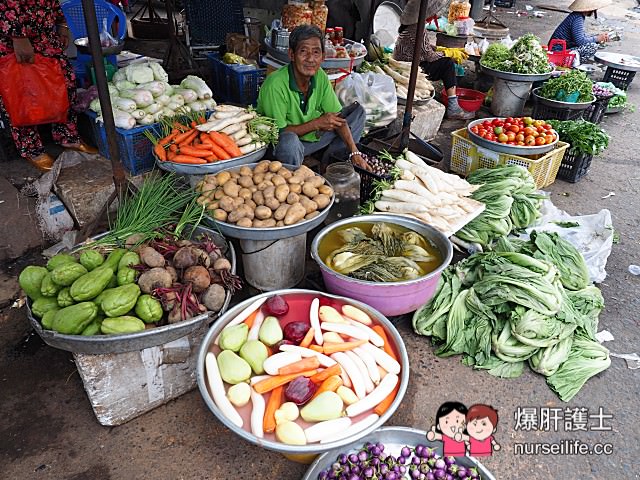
(123, 386)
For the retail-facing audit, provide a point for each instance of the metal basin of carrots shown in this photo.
(378, 345)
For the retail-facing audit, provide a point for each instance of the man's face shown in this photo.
(307, 58)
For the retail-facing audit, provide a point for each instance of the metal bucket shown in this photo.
(274, 264)
(509, 97)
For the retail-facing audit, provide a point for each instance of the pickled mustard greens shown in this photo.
(385, 255)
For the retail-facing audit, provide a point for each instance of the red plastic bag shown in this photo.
(33, 93)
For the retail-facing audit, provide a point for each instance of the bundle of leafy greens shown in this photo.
(526, 56)
(511, 306)
(584, 137)
(565, 85)
(508, 191)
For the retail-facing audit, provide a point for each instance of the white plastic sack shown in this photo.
(375, 92)
(593, 236)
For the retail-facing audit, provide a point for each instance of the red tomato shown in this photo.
(549, 139)
(538, 123)
(530, 140)
(509, 119)
(540, 140)
(540, 129)
(502, 138)
(474, 129)
(521, 144)
(529, 131)
(496, 121)
(511, 136)
(520, 138)
(490, 136)
(514, 128)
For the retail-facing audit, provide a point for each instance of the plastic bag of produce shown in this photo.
(375, 92)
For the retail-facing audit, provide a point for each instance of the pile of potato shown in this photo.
(270, 195)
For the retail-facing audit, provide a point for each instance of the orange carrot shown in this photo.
(193, 124)
(308, 363)
(181, 137)
(251, 318)
(168, 138)
(203, 146)
(226, 142)
(160, 152)
(329, 348)
(188, 159)
(308, 338)
(171, 154)
(173, 148)
(275, 400)
(194, 152)
(330, 384)
(316, 348)
(269, 384)
(187, 140)
(386, 403)
(217, 149)
(326, 373)
(387, 346)
(211, 158)
(180, 127)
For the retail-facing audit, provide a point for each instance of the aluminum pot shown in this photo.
(390, 298)
(305, 453)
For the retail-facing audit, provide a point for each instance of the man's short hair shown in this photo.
(302, 33)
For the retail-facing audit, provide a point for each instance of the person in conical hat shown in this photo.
(572, 30)
(434, 64)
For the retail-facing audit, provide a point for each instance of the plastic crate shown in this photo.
(136, 150)
(595, 113)
(574, 166)
(467, 157)
(620, 78)
(236, 83)
(547, 112)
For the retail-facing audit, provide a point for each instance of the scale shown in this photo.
(490, 27)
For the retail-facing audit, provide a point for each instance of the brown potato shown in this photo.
(268, 223)
(245, 171)
(322, 200)
(272, 203)
(202, 200)
(326, 190)
(223, 177)
(245, 222)
(295, 188)
(258, 197)
(234, 175)
(309, 205)
(296, 179)
(295, 213)
(280, 223)
(311, 215)
(213, 205)
(258, 178)
(309, 190)
(281, 212)
(262, 167)
(275, 166)
(231, 189)
(250, 203)
(200, 186)
(285, 173)
(278, 180)
(227, 204)
(268, 192)
(210, 194)
(293, 198)
(281, 192)
(253, 189)
(244, 193)
(218, 194)
(238, 202)
(262, 213)
(305, 172)
(268, 176)
(245, 181)
(220, 215)
(239, 213)
(263, 185)
(316, 181)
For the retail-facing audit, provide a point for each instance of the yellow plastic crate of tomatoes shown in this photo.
(467, 157)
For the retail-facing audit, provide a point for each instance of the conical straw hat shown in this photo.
(588, 5)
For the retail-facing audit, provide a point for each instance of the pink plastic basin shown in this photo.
(390, 298)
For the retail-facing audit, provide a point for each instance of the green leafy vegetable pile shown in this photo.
(508, 191)
(584, 137)
(525, 56)
(574, 81)
(523, 302)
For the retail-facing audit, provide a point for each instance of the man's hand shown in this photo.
(329, 122)
(63, 34)
(359, 161)
(603, 37)
(23, 49)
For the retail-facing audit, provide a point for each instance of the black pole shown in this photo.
(413, 77)
(89, 10)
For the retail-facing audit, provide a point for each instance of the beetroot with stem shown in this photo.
(180, 298)
(276, 306)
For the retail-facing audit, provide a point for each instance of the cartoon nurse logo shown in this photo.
(459, 429)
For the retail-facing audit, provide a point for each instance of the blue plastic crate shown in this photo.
(136, 150)
(236, 83)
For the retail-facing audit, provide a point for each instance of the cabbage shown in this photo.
(122, 119)
(167, 112)
(124, 104)
(209, 103)
(95, 105)
(139, 73)
(153, 108)
(143, 98)
(188, 94)
(198, 85)
(173, 105)
(158, 72)
(138, 114)
(148, 119)
(179, 99)
(546, 361)
(197, 106)
(168, 89)
(119, 76)
(163, 99)
(113, 91)
(156, 88)
(124, 85)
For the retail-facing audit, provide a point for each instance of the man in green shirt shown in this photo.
(300, 98)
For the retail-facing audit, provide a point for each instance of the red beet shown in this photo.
(295, 331)
(300, 390)
(276, 306)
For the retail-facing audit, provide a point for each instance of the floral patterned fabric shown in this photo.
(37, 20)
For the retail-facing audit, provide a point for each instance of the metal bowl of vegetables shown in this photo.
(393, 441)
(516, 77)
(282, 320)
(560, 104)
(388, 296)
(215, 167)
(82, 44)
(505, 148)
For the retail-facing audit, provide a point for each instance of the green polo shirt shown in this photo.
(281, 99)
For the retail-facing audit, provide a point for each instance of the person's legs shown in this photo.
(356, 120)
(289, 149)
(587, 51)
(444, 69)
(67, 133)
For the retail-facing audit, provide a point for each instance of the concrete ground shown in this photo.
(48, 430)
